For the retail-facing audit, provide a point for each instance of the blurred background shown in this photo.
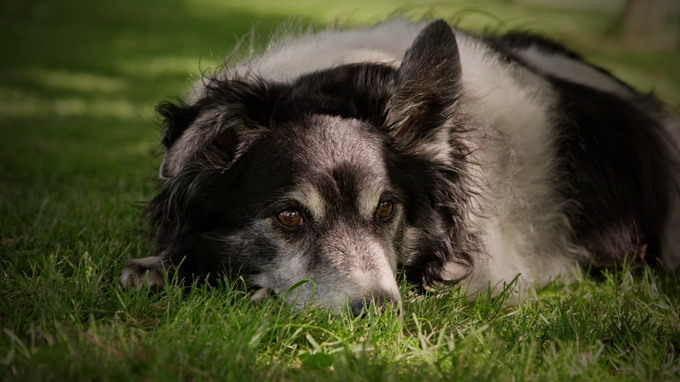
(79, 80)
(118, 57)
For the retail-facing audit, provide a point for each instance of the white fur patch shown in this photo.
(369, 198)
(384, 43)
(522, 226)
(571, 70)
(309, 197)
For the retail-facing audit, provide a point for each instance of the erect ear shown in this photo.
(428, 84)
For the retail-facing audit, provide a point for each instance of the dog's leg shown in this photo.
(138, 272)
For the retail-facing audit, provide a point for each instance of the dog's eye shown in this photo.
(290, 218)
(384, 210)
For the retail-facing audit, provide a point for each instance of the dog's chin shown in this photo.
(355, 304)
(357, 307)
(337, 300)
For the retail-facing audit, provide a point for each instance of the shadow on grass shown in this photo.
(82, 35)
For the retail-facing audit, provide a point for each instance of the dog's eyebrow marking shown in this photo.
(309, 196)
(369, 198)
(344, 149)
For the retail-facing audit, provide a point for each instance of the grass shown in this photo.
(78, 137)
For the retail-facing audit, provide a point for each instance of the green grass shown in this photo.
(78, 145)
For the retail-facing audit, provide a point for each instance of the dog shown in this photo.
(351, 158)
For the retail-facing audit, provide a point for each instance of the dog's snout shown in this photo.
(380, 301)
(357, 307)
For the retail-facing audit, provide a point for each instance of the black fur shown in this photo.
(618, 165)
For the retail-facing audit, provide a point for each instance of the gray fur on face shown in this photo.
(341, 181)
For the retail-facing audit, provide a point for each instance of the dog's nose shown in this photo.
(358, 307)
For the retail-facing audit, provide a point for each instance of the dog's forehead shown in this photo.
(341, 164)
(333, 141)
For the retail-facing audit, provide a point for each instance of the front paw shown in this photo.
(138, 272)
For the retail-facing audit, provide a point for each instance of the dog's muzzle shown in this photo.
(380, 302)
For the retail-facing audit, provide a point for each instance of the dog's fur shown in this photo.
(502, 155)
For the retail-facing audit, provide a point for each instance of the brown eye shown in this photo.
(384, 210)
(290, 218)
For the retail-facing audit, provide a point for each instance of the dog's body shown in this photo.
(345, 156)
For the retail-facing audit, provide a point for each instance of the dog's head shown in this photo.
(341, 177)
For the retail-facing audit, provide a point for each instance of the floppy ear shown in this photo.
(428, 83)
(188, 130)
(212, 128)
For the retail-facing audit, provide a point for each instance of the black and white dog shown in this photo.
(345, 157)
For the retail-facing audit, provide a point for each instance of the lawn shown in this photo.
(78, 137)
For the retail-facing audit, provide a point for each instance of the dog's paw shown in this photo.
(139, 272)
(260, 295)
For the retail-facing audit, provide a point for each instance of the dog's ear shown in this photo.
(177, 118)
(428, 84)
(188, 130)
(212, 128)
